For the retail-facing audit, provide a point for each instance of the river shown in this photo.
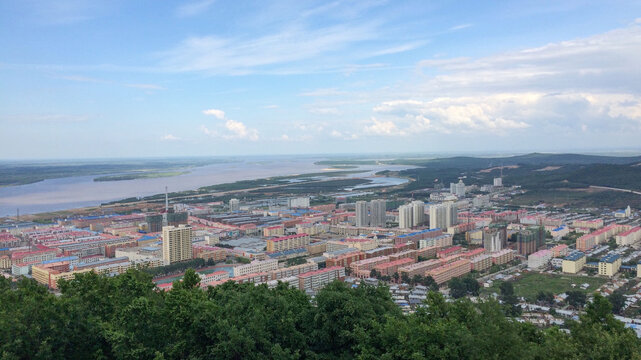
(82, 191)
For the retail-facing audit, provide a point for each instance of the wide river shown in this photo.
(81, 191)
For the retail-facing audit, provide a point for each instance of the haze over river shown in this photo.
(81, 191)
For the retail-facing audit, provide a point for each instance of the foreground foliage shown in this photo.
(124, 317)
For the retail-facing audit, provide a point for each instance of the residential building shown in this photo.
(481, 262)
(539, 259)
(389, 268)
(502, 257)
(494, 238)
(362, 215)
(287, 242)
(443, 215)
(298, 202)
(609, 264)
(378, 213)
(317, 279)
(419, 268)
(176, 243)
(530, 240)
(418, 213)
(443, 274)
(257, 266)
(405, 214)
(292, 271)
(574, 262)
(629, 237)
(234, 205)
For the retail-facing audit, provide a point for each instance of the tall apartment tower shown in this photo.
(443, 216)
(418, 213)
(451, 214)
(234, 205)
(176, 243)
(460, 189)
(362, 216)
(378, 215)
(405, 213)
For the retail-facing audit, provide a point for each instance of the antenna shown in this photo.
(165, 221)
(166, 200)
(18, 215)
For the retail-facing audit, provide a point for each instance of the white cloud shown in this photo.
(238, 130)
(194, 8)
(239, 55)
(323, 92)
(324, 111)
(170, 137)
(146, 86)
(504, 112)
(232, 129)
(343, 135)
(215, 113)
(603, 62)
(271, 107)
(460, 27)
(385, 128)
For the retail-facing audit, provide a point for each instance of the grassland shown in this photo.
(529, 285)
(140, 175)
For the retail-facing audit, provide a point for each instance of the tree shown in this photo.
(618, 301)
(396, 277)
(190, 280)
(509, 299)
(576, 298)
(457, 288)
(374, 274)
(471, 286)
(406, 279)
(545, 297)
(430, 283)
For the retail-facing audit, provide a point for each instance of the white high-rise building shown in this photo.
(405, 213)
(498, 182)
(234, 205)
(299, 202)
(378, 214)
(451, 214)
(362, 216)
(418, 213)
(443, 216)
(460, 189)
(176, 243)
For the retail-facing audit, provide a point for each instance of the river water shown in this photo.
(82, 191)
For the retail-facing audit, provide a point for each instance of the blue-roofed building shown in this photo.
(574, 262)
(610, 264)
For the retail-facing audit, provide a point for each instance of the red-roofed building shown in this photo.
(287, 242)
(317, 279)
(389, 268)
(449, 251)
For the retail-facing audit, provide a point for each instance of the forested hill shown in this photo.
(125, 317)
(538, 159)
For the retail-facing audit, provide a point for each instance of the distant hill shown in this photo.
(468, 162)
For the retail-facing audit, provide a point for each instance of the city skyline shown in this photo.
(205, 78)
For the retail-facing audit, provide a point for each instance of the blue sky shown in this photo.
(85, 78)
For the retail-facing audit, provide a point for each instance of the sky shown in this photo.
(117, 78)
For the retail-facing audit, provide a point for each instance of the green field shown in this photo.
(529, 285)
(140, 175)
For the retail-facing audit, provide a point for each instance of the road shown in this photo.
(615, 189)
